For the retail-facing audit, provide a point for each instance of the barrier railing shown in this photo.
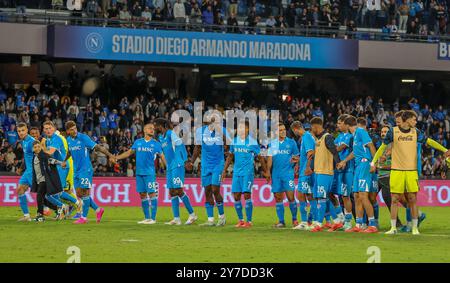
(332, 30)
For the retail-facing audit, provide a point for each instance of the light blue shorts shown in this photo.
(146, 184)
(175, 178)
(242, 184)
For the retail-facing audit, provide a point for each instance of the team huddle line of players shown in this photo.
(338, 177)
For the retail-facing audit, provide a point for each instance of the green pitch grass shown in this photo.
(119, 239)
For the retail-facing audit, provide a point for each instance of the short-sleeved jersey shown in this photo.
(27, 146)
(244, 152)
(112, 118)
(212, 143)
(12, 137)
(103, 121)
(361, 151)
(282, 153)
(308, 144)
(146, 152)
(80, 148)
(345, 139)
(173, 149)
(56, 142)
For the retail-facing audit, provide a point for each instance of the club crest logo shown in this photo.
(94, 42)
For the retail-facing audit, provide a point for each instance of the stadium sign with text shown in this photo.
(149, 45)
(121, 191)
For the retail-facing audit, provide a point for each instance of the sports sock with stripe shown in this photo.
(154, 207)
(175, 206)
(220, 208)
(93, 204)
(145, 208)
(249, 209)
(293, 208)
(303, 212)
(321, 209)
(238, 208)
(24, 204)
(86, 205)
(187, 203)
(64, 195)
(209, 210)
(280, 211)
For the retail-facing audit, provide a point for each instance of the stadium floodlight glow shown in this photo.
(408, 81)
(270, 80)
(237, 82)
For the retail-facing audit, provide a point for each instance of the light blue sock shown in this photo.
(93, 204)
(68, 197)
(220, 208)
(321, 209)
(359, 221)
(187, 203)
(209, 209)
(57, 197)
(280, 211)
(24, 204)
(303, 212)
(376, 210)
(53, 199)
(348, 217)
(86, 205)
(314, 209)
(338, 209)
(176, 207)
(372, 221)
(238, 207)
(249, 209)
(331, 209)
(145, 208)
(327, 212)
(408, 215)
(293, 208)
(154, 203)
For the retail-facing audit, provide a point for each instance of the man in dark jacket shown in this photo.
(46, 184)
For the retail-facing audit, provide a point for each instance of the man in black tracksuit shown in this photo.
(46, 183)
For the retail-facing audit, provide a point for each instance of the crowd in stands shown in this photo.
(416, 17)
(116, 126)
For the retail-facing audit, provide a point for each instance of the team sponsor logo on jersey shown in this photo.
(243, 150)
(145, 149)
(211, 140)
(281, 151)
(77, 147)
(407, 138)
